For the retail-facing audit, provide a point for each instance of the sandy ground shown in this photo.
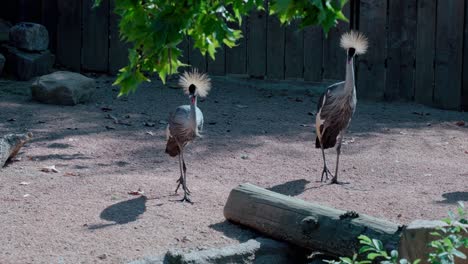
(401, 162)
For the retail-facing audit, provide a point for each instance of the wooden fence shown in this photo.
(418, 48)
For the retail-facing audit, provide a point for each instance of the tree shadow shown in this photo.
(60, 157)
(454, 197)
(291, 188)
(234, 231)
(123, 212)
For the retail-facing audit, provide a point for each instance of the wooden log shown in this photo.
(95, 40)
(275, 49)
(449, 54)
(11, 144)
(425, 46)
(306, 224)
(313, 54)
(294, 51)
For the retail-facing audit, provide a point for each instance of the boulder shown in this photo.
(4, 31)
(29, 36)
(26, 65)
(11, 144)
(2, 63)
(63, 88)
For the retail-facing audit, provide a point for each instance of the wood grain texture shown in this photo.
(95, 36)
(449, 49)
(401, 44)
(294, 51)
(236, 57)
(49, 20)
(275, 49)
(305, 224)
(118, 49)
(217, 66)
(256, 44)
(313, 54)
(334, 57)
(371, 66)
(464, 103)
(69, 34)
(425, 52)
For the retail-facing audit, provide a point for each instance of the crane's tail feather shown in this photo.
(355, 40)
(172, 148)
(201, 81)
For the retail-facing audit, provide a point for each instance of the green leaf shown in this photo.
(458, 254)
(377, 244)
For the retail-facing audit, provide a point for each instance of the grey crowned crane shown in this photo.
(337, 104)
(186, 122)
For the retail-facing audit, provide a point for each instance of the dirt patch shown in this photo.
(401, 162)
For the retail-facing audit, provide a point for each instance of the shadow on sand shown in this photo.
(122, 213)
(454, 197)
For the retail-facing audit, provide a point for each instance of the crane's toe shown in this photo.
(180, 182)
(325, 172)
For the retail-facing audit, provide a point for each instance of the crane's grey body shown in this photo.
(335, 109)
(181, 124)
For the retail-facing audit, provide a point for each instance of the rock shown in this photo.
(4, 31)
(2, 63)
(254, 251)
(63, 88)
(29, 36)
(11, 144)
(26, 65)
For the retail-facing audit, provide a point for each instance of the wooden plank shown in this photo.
(217, 66)
(464, 103)
(118, 49)
(313, 54)
(401, 49)
(334, 57)
(256, 44)
(275, 48)
(95, 42)
(236, 58)
(449, 49)
(306, 224)
(371, 66)
(49, 20)
(425, 52)
(197, 60)
(294, 51)
(69, 34)
(29, 11)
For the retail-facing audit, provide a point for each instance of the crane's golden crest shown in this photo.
(356, 40)
(201, 81)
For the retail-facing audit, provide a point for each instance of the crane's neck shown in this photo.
(193, 114)
(349, 81)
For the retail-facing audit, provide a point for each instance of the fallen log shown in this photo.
(306, 224)
(11, 144)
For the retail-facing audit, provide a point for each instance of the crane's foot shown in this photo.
(334, 180)
(180, 182)
(186, 199)
(326, 172)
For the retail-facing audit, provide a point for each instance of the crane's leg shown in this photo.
(325, 171)
(338, 152)
(181, 179)
(184, 182)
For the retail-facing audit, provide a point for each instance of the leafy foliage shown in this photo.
(155, 28)
(446, 246)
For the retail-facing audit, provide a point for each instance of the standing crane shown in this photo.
(186, 122)
(337, 104)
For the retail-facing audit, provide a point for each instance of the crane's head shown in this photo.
(355, 43)
(195, 84)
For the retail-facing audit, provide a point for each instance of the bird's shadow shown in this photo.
(122, 213)
(454, 197)
(291, 188)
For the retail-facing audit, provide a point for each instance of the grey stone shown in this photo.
(26, 65)
(29, 36)
(254, 251)
(416, 236)
(11, 144)
(63, 88)
(2, 63)
(4, 31)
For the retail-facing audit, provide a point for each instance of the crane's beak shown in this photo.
(192, 98)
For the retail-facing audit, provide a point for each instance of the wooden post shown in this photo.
(294, 51)
(313, 53)
(256, 44)
(306, 224)
(69, 34)
(275, 49)
(118, 50)
(95, 38)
